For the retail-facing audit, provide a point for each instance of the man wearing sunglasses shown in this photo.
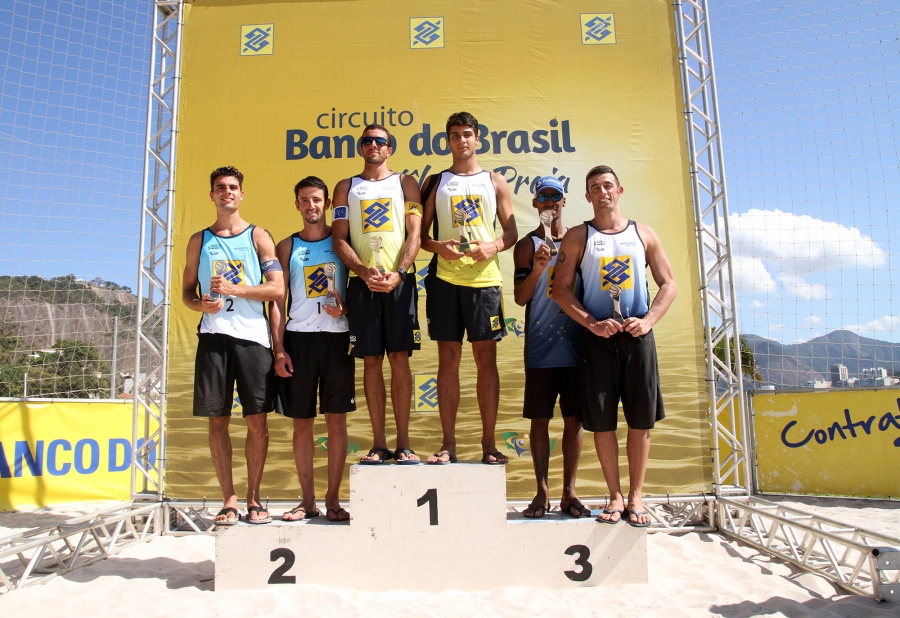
(463, 283)
(376, 229)
(618, 351)
(551, 351)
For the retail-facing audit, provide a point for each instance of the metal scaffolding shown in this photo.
(154, 273)
(727, 412)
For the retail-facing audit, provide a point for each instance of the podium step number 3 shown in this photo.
(452, 518)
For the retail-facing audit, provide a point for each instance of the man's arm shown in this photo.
(444, 248)
(340, 236)
(570, 253)
(277, 309)
(270, 289)
(529, 265)
(412, 206)
(190, 283)
(662, 273)
(486, 250)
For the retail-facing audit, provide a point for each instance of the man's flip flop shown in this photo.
(537, 511)
(580, 509)
(621, 513)
(497, 461)
(227, 522)
(300, 509)
(382, 453)
(406, 453)
(339, 514)
(257, 509)
(439, 462)
(635, 524)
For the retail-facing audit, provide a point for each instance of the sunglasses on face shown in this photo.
(368, 141)
(543, 197)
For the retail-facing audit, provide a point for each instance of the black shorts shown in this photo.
(322, 363)
(223, 360)
(383, 321)
(623, 367)
(542, 387)
(454, 309)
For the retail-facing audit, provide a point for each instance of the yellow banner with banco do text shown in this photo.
(282, 90)
(56, 452)
(844, 443)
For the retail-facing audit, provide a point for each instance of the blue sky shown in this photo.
(808, 94)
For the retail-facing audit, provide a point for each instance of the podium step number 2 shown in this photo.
(453, 515)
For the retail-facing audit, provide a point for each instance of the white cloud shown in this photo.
(758, 304)
(811, 321)
(751, 276)
(802, 289)
(800, 243)
(888, 323)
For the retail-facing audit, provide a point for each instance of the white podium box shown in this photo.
(431, 528)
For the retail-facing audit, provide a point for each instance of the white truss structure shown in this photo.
(855, 559)
(35, 556)
(154, 273)
(727, 414)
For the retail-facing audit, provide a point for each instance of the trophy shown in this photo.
(546, 219)
(329, 269)
(614, 292)
(375, 245)
(460, 216)
(220, 267)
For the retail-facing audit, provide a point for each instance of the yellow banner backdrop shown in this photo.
(282, 90)
(64, 451)
(838, 442)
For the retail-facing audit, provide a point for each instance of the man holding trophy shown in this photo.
(618, 351)
(377, 221)
(551, 351)
(312, 349)
(464, 204)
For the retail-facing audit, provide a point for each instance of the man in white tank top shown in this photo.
(463, 283)
(379, 208)
(233, 340)
(618, 352)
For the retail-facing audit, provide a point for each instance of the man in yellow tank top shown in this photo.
(462, 208)
(376, 233)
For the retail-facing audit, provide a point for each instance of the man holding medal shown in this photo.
(376, 226)
(618, 351)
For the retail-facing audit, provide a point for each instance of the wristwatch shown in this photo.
(402, 273)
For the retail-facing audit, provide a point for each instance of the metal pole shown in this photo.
(25, 386)
(112, 371)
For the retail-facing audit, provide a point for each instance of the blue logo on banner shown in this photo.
(597, 29)
(426, 33)
(428, 393)
(257, 39)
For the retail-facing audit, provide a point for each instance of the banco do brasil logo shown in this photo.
(316, 282)
(616, 271)
(376, 215)
(426, 392)
(426, 32)
(598, 29)
(258, 40)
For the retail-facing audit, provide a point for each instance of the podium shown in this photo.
(430, 528)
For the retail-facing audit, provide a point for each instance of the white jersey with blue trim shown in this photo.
(551, 336)
(235, 258)
(617, 259)
(309, 286)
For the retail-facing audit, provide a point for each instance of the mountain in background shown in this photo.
(795, 365)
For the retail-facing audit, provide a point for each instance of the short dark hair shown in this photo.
(599, 170)
(311, 181)
(228, 170)
(378, 127)
(462, 119)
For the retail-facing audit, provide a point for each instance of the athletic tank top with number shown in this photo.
(475, 195)
(551, 336)
(609, 260)
(309, 286)
(235, 258)
(376, 208)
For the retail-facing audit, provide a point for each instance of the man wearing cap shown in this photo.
(551, 351)
(376, 224)
(618, 351)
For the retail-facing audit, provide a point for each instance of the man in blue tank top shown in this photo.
(551, 351)
(618, 351)
(312, 348)
(223, 280)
